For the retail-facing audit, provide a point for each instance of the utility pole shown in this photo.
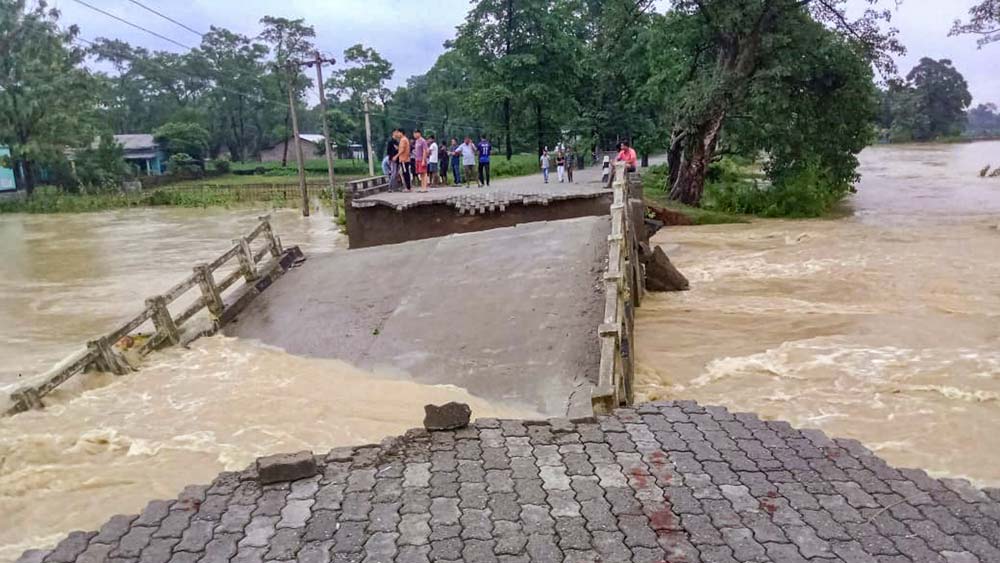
(318, 60)
(368, 138)
(298, 151)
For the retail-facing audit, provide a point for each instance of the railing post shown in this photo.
(209, 291)
(164, 323)
(24, 400)
(245, 255)
(274, 245)
(105, 358)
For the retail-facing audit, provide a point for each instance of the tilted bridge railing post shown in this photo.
(254, 269)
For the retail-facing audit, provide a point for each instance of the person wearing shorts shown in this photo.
(420, 157)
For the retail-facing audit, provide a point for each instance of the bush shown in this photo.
(222, 166)
(181, 164)
(805, 191)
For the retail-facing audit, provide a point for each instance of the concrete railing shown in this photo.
(367, 186)
(255, 269)
(623, 287)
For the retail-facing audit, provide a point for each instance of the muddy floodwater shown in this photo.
(881, 325)
(107, 445)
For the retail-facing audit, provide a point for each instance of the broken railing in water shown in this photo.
(623, 287)
(257, 271)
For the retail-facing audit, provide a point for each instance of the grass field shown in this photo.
(257, 178)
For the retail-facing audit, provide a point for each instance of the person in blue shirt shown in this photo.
(485, 149)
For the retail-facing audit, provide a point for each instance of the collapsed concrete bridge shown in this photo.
(536, 313)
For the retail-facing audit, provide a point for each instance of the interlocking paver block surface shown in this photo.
(664, 482)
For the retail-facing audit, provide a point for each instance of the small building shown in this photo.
(7, 182)
(312, 147)
(143, 152)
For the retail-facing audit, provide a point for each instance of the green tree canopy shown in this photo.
(180, 137)
(46, 96)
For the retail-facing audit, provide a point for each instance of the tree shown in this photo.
(101, 165)
(984, 121)
(291, 40)
(363, 78)
(737, 43)
(984, 21)
(943, 96)
(187, 138)
(234, 65)
(45, 99)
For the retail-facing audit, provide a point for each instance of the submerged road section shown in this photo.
(673, 482)
(510, 314)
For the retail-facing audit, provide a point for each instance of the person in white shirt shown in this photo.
(469, 156)
(544, 160)
(432, 161)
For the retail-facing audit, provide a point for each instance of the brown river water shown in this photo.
(881, 325)
(107, 445)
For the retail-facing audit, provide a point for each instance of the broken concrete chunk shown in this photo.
(449, 416)
(286, 467)
(661, 275)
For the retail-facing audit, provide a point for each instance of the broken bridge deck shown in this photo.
(510, 314)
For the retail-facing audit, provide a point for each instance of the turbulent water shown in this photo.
(882, 325)
(106, 445)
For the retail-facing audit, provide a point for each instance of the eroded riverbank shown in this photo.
(881, 326)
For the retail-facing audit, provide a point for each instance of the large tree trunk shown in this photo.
(506, 127)
(538, 127)
(690, 182)
(28, 176)
(674, 154)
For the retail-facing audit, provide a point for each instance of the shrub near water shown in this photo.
(804, 191)
(734, 189)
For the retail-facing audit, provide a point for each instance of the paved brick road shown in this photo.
(662, 482)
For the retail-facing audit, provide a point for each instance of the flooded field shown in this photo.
(882, 326)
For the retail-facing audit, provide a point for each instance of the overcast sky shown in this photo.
(411, 34)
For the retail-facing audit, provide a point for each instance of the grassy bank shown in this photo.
(49, 199)
(654, 186)
(736, 189)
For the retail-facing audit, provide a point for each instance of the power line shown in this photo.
(135, 25)
(166, 17)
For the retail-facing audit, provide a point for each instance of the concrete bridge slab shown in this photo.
(510, 314)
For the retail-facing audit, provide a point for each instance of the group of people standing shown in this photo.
(565, 164)
(427, 160)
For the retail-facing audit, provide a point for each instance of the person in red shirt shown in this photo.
(628, 156)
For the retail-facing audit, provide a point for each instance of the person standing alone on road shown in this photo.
(456, 161)
(468, 159)
(485, 150)
(545, 165)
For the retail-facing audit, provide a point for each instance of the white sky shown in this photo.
(411, 34)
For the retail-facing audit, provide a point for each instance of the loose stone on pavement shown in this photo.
(663, 482)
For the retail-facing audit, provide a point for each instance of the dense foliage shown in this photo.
(930, 104)
(788, 83)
